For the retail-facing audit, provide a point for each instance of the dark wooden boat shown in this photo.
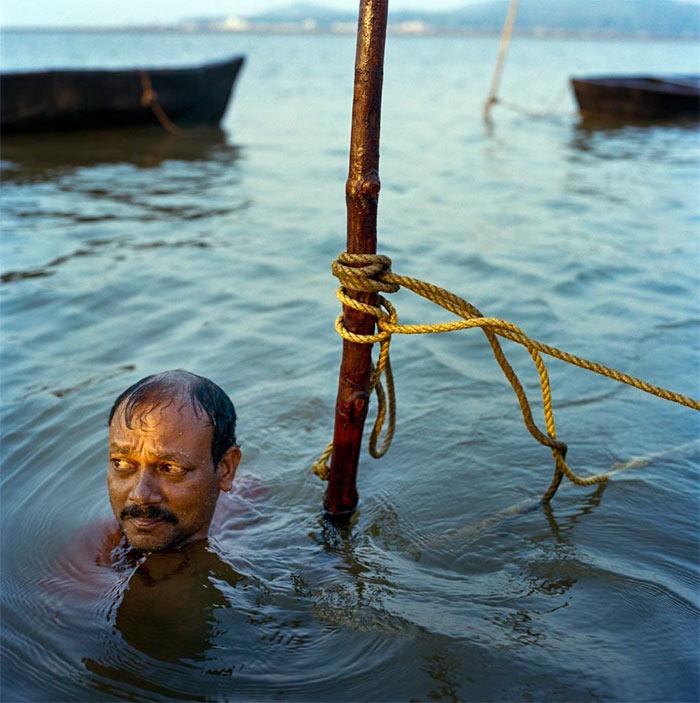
(87, 99)
(638, 97)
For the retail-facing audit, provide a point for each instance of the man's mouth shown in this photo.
(148, 517)
(145, 523)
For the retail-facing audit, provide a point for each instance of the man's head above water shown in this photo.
(172, 449)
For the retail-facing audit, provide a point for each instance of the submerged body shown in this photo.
(147, 591)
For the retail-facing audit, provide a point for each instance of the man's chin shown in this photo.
(153, 541)
(145, 545)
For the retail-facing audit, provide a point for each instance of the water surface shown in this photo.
(129, 253)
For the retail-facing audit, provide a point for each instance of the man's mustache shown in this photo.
(149, 512)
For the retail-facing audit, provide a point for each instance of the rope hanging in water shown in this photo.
(149, 98)
(372, 273)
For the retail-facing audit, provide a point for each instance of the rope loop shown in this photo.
(371, 273)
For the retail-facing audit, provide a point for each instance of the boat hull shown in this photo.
(638, 97)
(86, 99)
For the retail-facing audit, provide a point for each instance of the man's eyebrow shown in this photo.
(121, 448)
(166, 455)
(175, 456)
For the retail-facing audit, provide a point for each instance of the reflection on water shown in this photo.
(359, 600)
(589, 504)
(610, 125)
(128, 252)
(624, 142)
(38, 157)
(101, 180)
(444, 669)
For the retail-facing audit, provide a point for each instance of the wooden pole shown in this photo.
(361, 197)
(506, 34)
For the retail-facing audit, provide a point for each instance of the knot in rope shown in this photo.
(364, 272)
(368, 273)
(371, 273)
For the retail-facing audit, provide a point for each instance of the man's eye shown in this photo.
(172, 469)
(121, 465)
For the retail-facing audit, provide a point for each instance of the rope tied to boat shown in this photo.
(372, 273)
(149, 98)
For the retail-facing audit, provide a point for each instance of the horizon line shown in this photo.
(395, 30)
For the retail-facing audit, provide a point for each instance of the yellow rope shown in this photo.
(372, 273)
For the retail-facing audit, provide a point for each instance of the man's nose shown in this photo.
(145, 489)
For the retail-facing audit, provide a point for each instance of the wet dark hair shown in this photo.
(204, 395)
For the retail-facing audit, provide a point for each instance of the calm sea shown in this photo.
(128, 253)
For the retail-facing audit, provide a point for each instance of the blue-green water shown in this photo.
(129, 253)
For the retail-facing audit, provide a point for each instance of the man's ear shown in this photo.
(226, 469)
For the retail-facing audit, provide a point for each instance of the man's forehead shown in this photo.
(173, 432)
(175, 415)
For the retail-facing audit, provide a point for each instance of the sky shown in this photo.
(108, 12)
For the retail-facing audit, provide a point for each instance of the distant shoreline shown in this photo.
(393, 31)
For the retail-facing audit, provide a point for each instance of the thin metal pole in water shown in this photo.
(361, 197)
(492, 98)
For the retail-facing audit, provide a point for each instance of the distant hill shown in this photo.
(668, 18)
(302, 11)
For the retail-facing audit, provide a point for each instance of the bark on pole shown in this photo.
(361, 197)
